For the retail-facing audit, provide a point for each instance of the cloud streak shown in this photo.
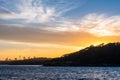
(37, 35)
(37, 11)
(101, 25)
(96, 24)
(24, 45)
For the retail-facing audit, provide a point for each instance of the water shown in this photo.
(58, 73)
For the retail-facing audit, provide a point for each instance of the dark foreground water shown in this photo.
(58, 73)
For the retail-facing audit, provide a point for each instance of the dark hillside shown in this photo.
(101, 55)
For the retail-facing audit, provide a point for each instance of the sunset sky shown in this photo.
(51, 28)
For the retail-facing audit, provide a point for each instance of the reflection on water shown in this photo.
(58, 73)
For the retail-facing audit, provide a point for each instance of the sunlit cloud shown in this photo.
(101, 25)
(37, 35)
(25, 45)
(96, 24)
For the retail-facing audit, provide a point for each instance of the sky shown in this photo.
(52, 28)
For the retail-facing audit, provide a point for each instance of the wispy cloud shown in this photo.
(101, 24)
(4, 11)
(96, 24)
(36, 11)
(31, 13)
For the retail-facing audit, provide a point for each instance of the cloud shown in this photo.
(4, 11)
(31, 12)
(24, 45)
(65, 26)
(37, 11)
(29, 37)
(38, 35)
(101, 25)
(96, 24)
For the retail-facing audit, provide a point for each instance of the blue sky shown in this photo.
(109, 7)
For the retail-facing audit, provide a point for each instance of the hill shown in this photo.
(101, 55)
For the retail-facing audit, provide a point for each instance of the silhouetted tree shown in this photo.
(24, 58)
(15, 59)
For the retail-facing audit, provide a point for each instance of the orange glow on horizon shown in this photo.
(51, 50)
(49, 53)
